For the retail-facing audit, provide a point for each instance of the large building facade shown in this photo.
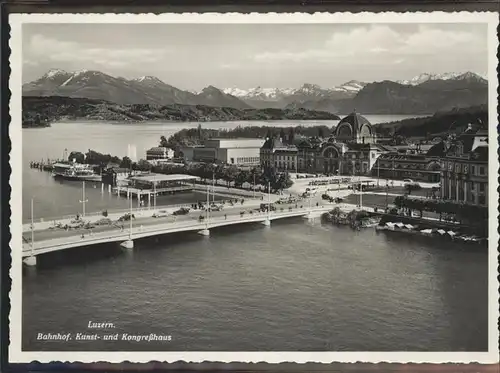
(351, 151)
(239, 152)
(415, 164)
(464, 175)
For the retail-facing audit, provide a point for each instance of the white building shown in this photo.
(159, 152)
(240, 152)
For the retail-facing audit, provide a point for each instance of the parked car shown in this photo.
(126, 217)
(264, 207)
(181, 211)
(160, 214)
(327, 197)
(104, 221)
(216, 208)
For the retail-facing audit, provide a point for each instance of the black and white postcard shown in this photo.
(254, 187)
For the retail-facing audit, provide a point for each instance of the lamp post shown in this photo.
(154, 194)
(130, 231)
(269, 201)
(213, 188)
(254, 184)
(208, 204)
(387, 194)
(378, 171)
(83, 201)
(32, 230)
(361, 195)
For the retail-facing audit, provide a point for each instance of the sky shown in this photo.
(193, 56)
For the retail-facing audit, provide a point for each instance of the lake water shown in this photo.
(296, 285)
(113, 138)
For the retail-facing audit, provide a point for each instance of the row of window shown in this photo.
(470, 185)
(247, 159)
(465, 168)
(284, 165)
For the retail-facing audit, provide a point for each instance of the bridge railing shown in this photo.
(171, 225)
(135, 210)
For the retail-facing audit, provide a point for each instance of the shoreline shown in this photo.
(162, 121)
(165, 121)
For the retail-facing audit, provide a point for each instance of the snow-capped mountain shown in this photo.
(143, 90)
(422, 78)
(421, 94)
(312, 90)
(351, 86)
(259, 92)
(152, 80)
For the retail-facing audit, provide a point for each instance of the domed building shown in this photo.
(351, 151)
(355, 128)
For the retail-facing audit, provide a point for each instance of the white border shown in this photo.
(15, 132)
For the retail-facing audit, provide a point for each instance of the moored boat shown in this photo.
(74, 171)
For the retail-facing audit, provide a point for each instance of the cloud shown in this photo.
(364, 43)
(51, 50)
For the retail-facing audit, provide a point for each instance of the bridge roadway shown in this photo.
(58, 239)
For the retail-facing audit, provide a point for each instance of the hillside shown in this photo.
(454, 121)
(55, 108)
(427, 98)
(144, 90)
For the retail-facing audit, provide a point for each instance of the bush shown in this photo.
(105, 213)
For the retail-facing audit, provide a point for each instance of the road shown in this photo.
(192, 216)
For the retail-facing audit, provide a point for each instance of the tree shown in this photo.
(144, 165)
(163, 142)
(282, 135)
(230, 174)
(79, 157)
(411, 187)
(241, 177)
(291, 136)
(126, 162)
(200, 132)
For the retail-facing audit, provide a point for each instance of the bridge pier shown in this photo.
(30, 261)
(129, 244)
(267, 222)
(204, 232)
(308, 216)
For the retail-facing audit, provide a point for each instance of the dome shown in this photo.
(355, 120)
(354, 127)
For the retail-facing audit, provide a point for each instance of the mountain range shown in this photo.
(143, 90)
(423, 94)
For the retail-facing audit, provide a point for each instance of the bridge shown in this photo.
(157, 227)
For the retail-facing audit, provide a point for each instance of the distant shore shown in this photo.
(53, 108)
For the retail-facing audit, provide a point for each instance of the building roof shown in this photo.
(480, 154)
(437, 150)
(151, 178)
(119, 169)
(158, 149)
(273, 143)
(355, 120)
